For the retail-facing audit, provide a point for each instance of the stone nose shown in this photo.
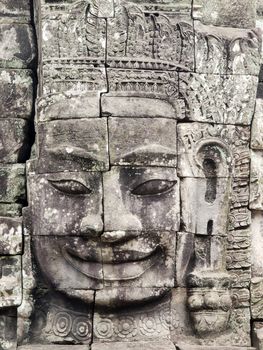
(92, 225)
(121, 221)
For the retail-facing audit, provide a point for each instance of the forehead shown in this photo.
(145, 138)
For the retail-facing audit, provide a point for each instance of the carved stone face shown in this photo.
(113, 226)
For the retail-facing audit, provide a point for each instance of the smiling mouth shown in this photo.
(113, 271)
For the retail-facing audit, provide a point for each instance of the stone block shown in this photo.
(12, 183)
(58, 319)
(131, 30)
(72, 145)
(202, 200)
(239, 218)
(68, 106)
(10, 278)
(14, 146)
(10, 209)
(10, 236)
(184, 257)
(225, 13)
(208, 151)
(222, 50)
(240, 297)
(53, 347)
(68, 262)
(164, 345)
(256, 290)
(257, 243)
(145, 260)
(257, 335)
(239, 193)
(141, 322)
(141, 106)
(143, 141)
(16, 90)
(12, 11)
(8, 333)
(17, 46)
(143, 93)
(237, 259)
(240, 277)
(257, 126)
(145, 199)
(256, 181)
(228, 99)
(81, 211)
(239, 239)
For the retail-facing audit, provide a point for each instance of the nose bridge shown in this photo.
(117, 215)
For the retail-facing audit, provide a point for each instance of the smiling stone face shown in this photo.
(115, 227)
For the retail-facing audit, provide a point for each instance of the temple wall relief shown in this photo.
(131, 207)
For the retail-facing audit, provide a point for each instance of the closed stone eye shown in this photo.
(72, 187)
(153, 187)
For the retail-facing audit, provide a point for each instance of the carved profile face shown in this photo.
(107, 211)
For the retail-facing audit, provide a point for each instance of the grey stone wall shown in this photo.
(142, 194)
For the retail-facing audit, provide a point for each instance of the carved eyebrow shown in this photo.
(145, 152)
(66, 152)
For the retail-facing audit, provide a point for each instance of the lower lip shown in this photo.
(122, 271)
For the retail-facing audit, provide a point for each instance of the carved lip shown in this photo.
(114, 271)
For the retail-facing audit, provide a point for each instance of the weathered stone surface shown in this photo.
(239, 218)
(143, 93)
(10, 236)
(147, 322)
(240, 277)
(131, 32)
(202, 200)
(10, 209)
(68, 262)
(256, 181)
(17, 45)
(68, 106)
(208, 151)
(8, 321)
(240, 297)
(14, 11)
(54, 347)
(145, 199)
(257, 243)
(12, 183)
(227, 50)
(164, 345)
(256, 290)
(80, 145)
(11, 287)
(73, 48)
(184, 257)
(228, 99)
(16, 90)
(257, 335)
(241, 14)
(144, 143)
(257, 126)
(57, 320)
(79, 190)
(237, 259)
(14, 146)
(145, 259)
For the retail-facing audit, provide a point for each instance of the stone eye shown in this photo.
(153, 187)
(70, 187)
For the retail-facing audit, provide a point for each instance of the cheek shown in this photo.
(62, 215)
(155, 212)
